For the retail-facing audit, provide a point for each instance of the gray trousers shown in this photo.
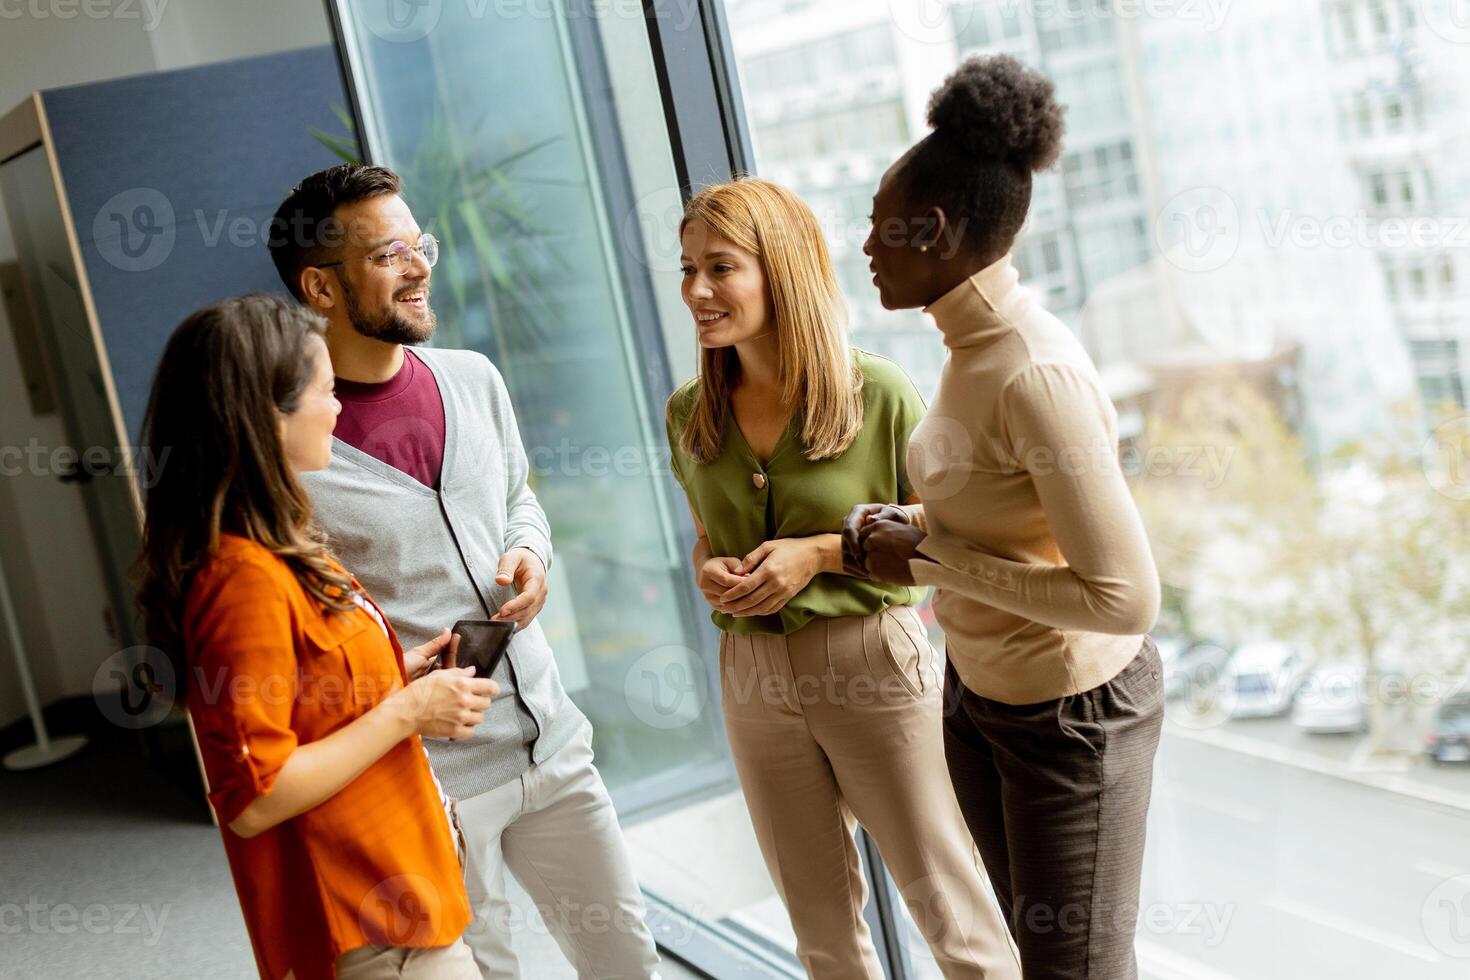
(1056, 796)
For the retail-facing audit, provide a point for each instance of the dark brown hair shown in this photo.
(996, 122)
(305, 230)
(227, 373)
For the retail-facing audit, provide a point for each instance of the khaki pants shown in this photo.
(452, 962)
(555, 829)
(840, 723)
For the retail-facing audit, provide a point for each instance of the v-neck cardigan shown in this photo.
(429, 559)
(744, 502)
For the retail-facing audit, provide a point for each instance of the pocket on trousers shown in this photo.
(905, 648)
(1141, 683)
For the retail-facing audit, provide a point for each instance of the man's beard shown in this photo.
(390, 326)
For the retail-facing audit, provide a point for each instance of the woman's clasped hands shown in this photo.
(764, 581)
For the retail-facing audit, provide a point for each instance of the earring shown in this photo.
(923, 248)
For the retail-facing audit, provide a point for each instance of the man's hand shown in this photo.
(523, 569)
(854, 563)
(889, 546)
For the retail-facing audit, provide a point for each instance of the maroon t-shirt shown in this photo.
(399, 421)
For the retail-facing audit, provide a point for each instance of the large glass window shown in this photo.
(533, 142)
(1254, 231)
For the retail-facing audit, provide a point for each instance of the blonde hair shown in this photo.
(817, 372)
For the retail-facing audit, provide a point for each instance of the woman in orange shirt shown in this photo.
(308, 711)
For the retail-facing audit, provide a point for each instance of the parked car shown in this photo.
(1263, 678)
(1191, 666)
(1333, 700)
(1448, 739)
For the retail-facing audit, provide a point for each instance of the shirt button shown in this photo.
(759, 479)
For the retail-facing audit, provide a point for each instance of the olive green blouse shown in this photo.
(743, 504)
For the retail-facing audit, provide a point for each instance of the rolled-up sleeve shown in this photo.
(242, 681)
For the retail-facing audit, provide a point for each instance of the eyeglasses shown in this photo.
(399, 256)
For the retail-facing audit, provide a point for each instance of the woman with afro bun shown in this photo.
(1045, 583)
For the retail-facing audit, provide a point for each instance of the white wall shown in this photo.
(44, 542)
(199, 32)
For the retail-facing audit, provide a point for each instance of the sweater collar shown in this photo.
(981, 307)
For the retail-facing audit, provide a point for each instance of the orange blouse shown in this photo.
(376, 864)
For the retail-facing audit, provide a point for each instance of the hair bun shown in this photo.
(997, 108)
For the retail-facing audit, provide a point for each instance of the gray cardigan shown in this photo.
(429, 558)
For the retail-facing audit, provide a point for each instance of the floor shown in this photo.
(111, 871)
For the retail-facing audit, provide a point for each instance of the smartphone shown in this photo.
(482, 644)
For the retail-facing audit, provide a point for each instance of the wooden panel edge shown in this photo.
(20, 128)
(94, 322)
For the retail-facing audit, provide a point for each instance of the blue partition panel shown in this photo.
(172, 180)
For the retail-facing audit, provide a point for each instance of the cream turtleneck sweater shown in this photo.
(1044, 575)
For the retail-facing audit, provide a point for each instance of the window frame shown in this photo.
(710, 141)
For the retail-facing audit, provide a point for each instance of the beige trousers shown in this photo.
(452, 962)
(555, 829)
(840, 723)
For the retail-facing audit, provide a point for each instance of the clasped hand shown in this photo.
(879, 541)
(763, 581)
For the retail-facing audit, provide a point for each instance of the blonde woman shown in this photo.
(831, 691)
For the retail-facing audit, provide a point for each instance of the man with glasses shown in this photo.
(426, 502)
